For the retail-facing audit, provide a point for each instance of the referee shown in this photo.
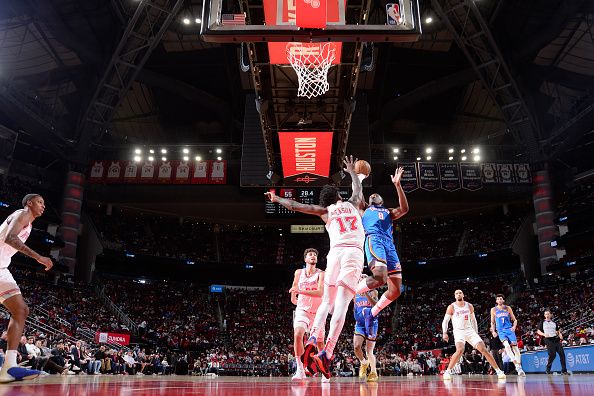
(552, 338)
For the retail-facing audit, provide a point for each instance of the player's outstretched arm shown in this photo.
(402, 201)
(296, 206)
(349, 167)
(12, 239)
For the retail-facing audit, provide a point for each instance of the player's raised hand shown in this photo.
(271, 196)
(46, 262)
(349, 163)
(397, 175)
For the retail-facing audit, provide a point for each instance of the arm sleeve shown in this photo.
(446, 321)
(473, 322)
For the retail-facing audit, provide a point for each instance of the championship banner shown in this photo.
(200, 174)
(147, 173)
(284, 12)
(97, 172)
(506, 173)
(164, 172)
(471, 176)
(114, 172)
(409, 181)
(428, 176)
(523, 175)
(131, 171)
(218, 172)
(181, 172)
(490, 173)
(449, 176)
(306, 156)
(112, 338)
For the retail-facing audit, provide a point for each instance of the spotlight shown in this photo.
(219, 158)
(428, 150)
(463, 158)
(476, 150)
(428, 20)
(396, 150)
(186, 21)
(395, 158)
(477, 158)
(163, 159)
(138, 151)
(450, 150)
(219, 151)
(450, 158)
(198, 158)
(137, 158)
(186, 151)
(186, 158)
(198, 20)
(152, 151)
(163, 151)
(418, 158)
(428, 158)
(151, 158)
(463, 151)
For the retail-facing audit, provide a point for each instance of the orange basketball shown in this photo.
(362, 167)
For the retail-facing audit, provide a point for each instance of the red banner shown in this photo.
(162, 172)
(306, 153)
(112, 338)
(289, 12)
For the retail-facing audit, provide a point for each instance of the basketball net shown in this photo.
(311, 62)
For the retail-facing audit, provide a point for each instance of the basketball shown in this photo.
(362, 167)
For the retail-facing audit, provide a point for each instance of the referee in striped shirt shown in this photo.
(552, 338)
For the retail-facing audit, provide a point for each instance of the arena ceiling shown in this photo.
(55, 55)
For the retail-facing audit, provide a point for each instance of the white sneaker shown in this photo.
(325, 380)
(299, 375)
(447, 375)
(501, 375)
(521, 373)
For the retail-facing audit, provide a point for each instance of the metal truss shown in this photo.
(472, 34)
(142, 34)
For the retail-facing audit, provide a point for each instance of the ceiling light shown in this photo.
(186, 21)
(463, 151)
(396, 150)
(477, 158)
(219, 151)
(476, 150)
(463, 158)
(219, 158)
(151, 158)
(450, 158)
(198, 20)
(428, 20)
(450, 150)
(186, 158)
(186, 151)
(138, 151)
(418, 158)
(163, 151)
(163, 159)
(395, 158)
(152, 151)
(428, 158)
(137, 158)
(428, 150)
(198, 158)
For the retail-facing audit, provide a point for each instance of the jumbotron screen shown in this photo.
(310, 196)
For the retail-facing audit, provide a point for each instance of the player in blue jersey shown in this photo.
(502, 317)
(380, 251)
(361, 301)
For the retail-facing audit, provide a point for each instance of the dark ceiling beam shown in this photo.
(431, 89)
(188, 92)
(537, 74)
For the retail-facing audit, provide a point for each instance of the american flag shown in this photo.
(233, 19)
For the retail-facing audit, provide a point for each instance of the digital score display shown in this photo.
(308, 196)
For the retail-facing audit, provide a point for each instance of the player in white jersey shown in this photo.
(465, 327)
(344, 267)
(306, 294)
(14, 231)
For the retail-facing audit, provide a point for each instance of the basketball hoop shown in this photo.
(311, 62)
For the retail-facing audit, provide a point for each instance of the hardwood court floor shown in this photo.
(536, 384)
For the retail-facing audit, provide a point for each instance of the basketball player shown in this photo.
(380, 251)
(14, 231)
(344, 267)
(500, 320)
(306, 294)
(465, 330)
(362, 301)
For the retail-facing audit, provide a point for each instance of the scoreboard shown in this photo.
(308, 196)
